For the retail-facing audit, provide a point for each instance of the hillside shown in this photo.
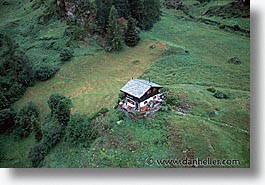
(192, 56)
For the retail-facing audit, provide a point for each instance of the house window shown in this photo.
(130, 101)
(148, 92)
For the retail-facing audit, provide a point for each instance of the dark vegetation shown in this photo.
(206, 110)
(80, 131)
(237, 8)
(131, 34)
(7, 119)
(60, 108)
(234, 9)
(27, 121)
(16, 72)
(84, 18)
(75, 129)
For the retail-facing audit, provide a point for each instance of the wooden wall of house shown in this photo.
(153, 91)
(132, 98)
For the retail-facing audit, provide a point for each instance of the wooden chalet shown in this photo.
(141, 96)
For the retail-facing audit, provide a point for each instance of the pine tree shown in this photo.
(136, 8)
(103, 10)
(151, 13)
(115, 33)
(122, 8)
(131, 35)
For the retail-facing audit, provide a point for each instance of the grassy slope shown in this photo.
(93, 81)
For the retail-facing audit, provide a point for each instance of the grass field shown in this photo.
(92, 80)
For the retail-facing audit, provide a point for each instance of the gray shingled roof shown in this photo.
(138, 87)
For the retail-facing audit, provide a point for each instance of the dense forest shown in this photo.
(62, 63)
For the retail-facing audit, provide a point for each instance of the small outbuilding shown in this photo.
(141, 96)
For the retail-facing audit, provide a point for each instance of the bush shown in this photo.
(45, 72)
(26, 119)
(37, 154)
(171, 100)
(121, 115)
(16, 72)
(79, 130)
(175, 51)
(7, 119)
(121, 96)
(204, 1)
(60, 108)
(66, 55)
(51, 138)
(103, 110)
(220, 95)
(22, 68)
(10, 91)
(211, 89)
(37, 131)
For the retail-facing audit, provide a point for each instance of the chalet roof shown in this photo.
(138, 87)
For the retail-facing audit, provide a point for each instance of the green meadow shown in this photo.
(189, 58)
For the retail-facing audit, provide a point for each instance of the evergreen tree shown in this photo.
(151, 13)
(103, 9)
(131, 35)
(146, 12)
(122, 7)
(115, 33)
(137, 10)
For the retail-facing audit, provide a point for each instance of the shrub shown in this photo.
(171, 100)
(22, 67)
(66, 55)
(204, 1)
(10, 92)
(7, 119)
(175, 51)
(16, 71)
(51, 138)
(121, 96)
(211, 89)
(121, 115)
(79, 130)
(26, 118)
(234, 60)
(103, 110)
(37, 154)
(220, 95)
(60, 108)
(37, 130)
(45, 72)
